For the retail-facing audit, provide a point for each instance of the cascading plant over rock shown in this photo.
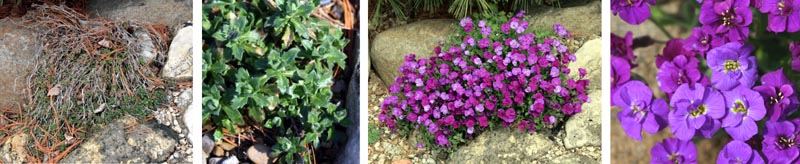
(496, 72)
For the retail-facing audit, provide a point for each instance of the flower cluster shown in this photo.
(730, 97)
(494, 73)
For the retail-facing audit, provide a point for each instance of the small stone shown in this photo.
(218, 152)
(208, 144)
(259, 154)
(231, 160)
(402, 161)
(214, 160)
(226, 146)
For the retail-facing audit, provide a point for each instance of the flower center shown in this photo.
(727, 17)
(774, 100)
(698, 111)
(785, 142)
(630, 3)
(676, 157)
(739, 107)
(783, 9)
(731, 65)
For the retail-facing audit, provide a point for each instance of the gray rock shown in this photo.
(113, 143)
(503, 145)
(208, 144)
(389, 48)
(179, 58)
(350, 154)
(259, 154)
(146, 46)
(171, 13)
(18, 46)
(13, 150)
(583, 129)
(583, 21)
(214, 160)
(589, 57)
(231, 160)
(184, 99)
(573, 159)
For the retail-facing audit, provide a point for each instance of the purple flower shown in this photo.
(620, 73)
(739, 152)
(781, 15)
(623, 47)
(466, 23)
(732, 65)
(560, 30)
(681, 70)
(674, 48)
(699, 42)
(485, 42)
(794, 47)
(639, 110)
(441, 139)
(697, 109)
(486, 31)
(554, 72)
(778, 94)
(728, 19)
(780, 144)
(672, 150)
(632, 11)
(745, 107)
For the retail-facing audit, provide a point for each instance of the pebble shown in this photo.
(226, 146)
(208, 144)
(214, 160)
(259, 154)
(231, 160)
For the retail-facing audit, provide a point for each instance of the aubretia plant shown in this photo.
(494, 72)
(725, 79)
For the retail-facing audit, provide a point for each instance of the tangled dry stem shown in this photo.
(89, 72)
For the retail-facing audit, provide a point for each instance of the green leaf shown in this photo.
(218, 134)
(242, 75)
(238, 51)
(234, 114)
(261, 100)
(228, 125)
(238, 103)
(340, 115)
(257, 114)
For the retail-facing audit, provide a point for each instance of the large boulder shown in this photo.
(389, 48)
(589, 57)
(18, 46)
(13, 149)
(583, 21)
(171, 13)
(584, 129)
(503, 145)
(179, 57)
(118, 143)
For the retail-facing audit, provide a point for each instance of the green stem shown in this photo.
(661, 27)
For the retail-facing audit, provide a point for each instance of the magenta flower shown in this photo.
(780, 144)
(672, 49)
(745, 107)
(441, 139)
(620, 73)
(781, 15)
(672, 150)
(728, 19)
(794, 47)
(632, 11)
(623, 47)
(680, 70)
(778, 94)
(732, 65)
(700, 41)
(639, 110)
(697, 110)
(739, 152)
(466, 23)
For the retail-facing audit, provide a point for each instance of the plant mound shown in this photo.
(271, 65)
(496, 72)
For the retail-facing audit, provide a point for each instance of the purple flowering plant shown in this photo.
(733, 77)
(496, 71)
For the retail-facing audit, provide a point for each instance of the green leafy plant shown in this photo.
(271, 65)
